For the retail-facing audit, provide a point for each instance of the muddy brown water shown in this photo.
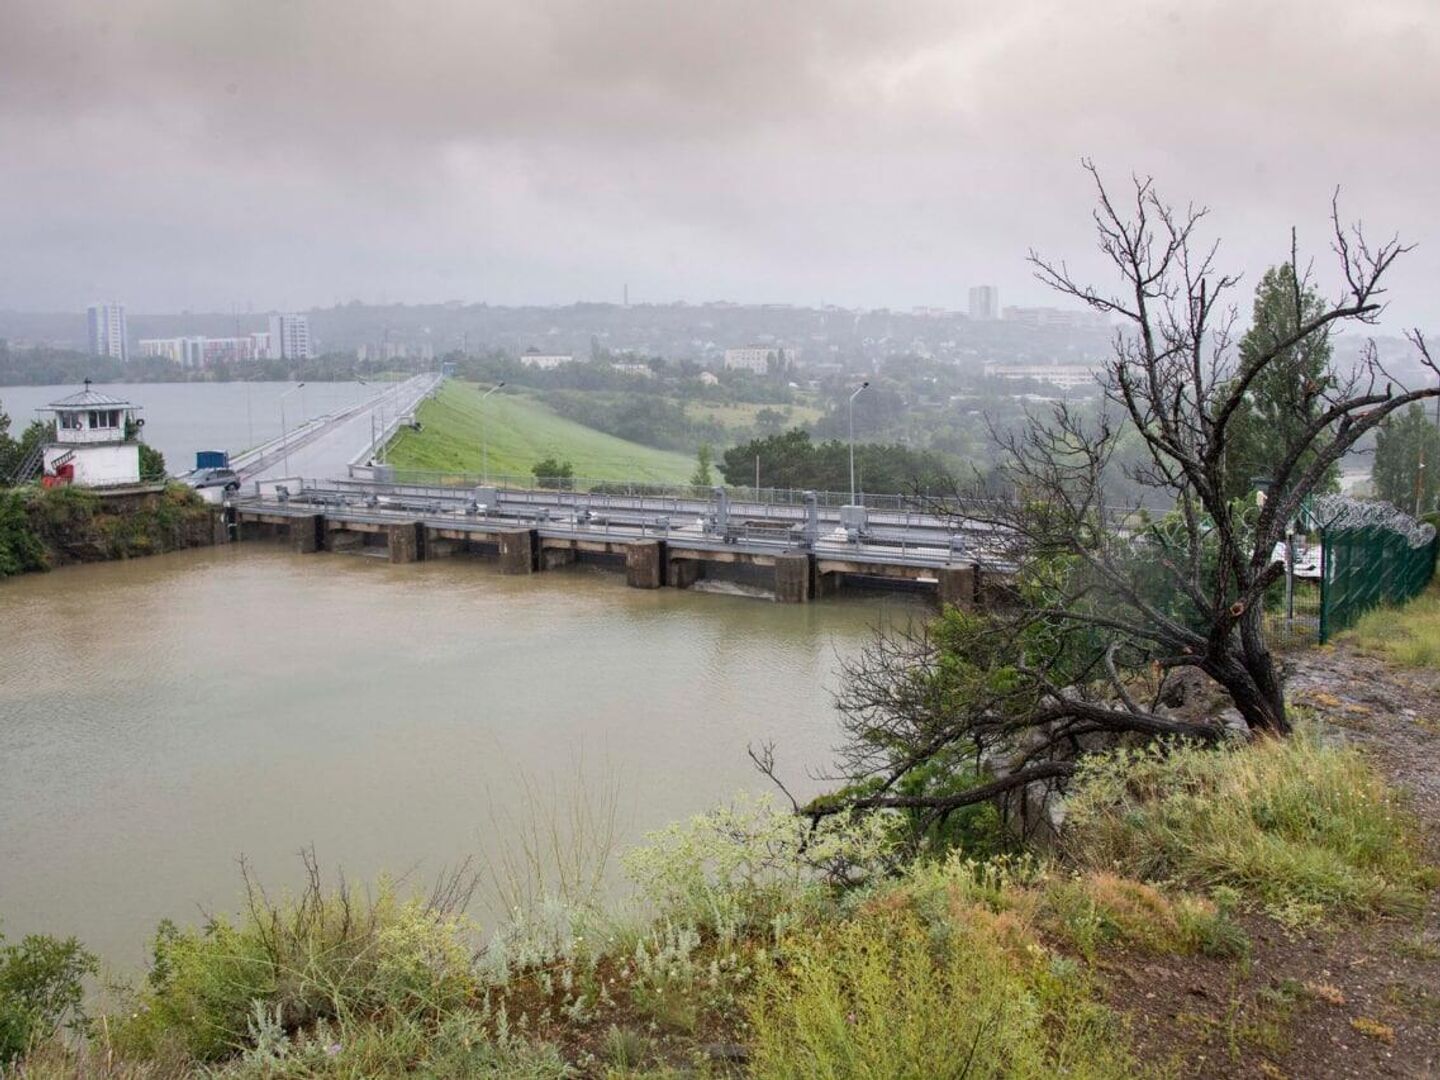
(162, 717)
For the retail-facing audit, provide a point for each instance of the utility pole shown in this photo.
(485, 430)
(853, 396)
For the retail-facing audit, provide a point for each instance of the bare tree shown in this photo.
(1112, 599)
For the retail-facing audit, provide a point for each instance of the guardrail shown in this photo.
(513, 482)
(390, 429)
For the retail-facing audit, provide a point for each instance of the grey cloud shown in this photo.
(196, 151)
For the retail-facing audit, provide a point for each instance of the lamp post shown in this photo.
(853, 396)
(485, 430)
(284, 431)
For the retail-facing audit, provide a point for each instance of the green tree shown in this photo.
(1406, 470)
(152, 463)
(20, 548)
(8, 455)
(1285, 395)
(770, 421)
(702, 477)
(550, 473)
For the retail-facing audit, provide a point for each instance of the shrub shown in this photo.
(21, 550)
(1098, 909)
(316, 956)
(457, 1046)
(883, 995)
(1300, 827)
(41, 985)
(752, 867)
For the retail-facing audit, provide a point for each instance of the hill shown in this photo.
(521, 432)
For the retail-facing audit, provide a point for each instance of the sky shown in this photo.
(200, 154)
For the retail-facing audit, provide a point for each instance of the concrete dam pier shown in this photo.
(800, 562)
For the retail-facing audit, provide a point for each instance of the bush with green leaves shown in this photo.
(42, 987)
(892, 993)
(21, 549)
(750, 868)
(319, 955)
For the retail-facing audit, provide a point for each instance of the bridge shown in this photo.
(801, 550)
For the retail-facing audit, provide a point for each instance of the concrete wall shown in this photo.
(792, 577)
(645, 564)
(99, 466)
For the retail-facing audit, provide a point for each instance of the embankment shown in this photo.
(41, 529)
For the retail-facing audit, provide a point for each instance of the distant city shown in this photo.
(288, 338)
(1058, 347)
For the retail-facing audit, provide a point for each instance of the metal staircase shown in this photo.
(29, 467)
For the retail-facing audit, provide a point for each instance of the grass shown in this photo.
(522, 432)
(740, 416)
(1408, 635)
(1303, 829)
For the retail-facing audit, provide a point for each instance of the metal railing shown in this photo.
(795, 497)
(378, 505)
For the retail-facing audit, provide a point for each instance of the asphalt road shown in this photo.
(326, 452)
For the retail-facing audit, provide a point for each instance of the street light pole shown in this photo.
(853, 396)
(485, 430)
(284, 431)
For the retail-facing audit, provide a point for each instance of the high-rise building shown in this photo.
(984, 302)
(108, 336)
(290, 337)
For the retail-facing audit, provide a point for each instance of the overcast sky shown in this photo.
(197, 154)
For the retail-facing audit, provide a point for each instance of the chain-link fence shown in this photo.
(1371, 554)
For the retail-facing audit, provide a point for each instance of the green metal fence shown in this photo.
(1372, 555)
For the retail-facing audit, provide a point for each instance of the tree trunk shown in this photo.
(1248, 674)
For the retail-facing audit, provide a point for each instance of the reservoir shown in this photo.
(182, 418)
(161, 718)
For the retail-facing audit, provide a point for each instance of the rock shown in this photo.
(1236, 729)
(723, 1051)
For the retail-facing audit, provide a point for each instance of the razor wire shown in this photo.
(1336, 512)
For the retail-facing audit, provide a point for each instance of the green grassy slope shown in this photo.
(522, 432)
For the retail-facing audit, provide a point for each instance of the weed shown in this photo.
(878, 995)
(1373, 1029)
(286, 964)
(751, 867)
(626, 1049)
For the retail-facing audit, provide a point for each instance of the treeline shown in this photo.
(56, 367)
(666, 378)
(792, 460)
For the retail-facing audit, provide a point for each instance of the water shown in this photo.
(181, 418)
(162, 717)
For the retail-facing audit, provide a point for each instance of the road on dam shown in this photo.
(326, 446)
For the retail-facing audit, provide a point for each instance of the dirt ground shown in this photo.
(1363, 1001)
